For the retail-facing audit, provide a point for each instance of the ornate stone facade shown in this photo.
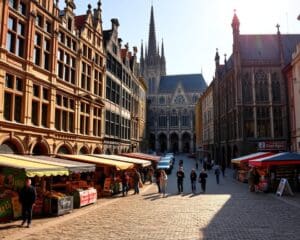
(51, 78)
(171, 101)
(250, 95)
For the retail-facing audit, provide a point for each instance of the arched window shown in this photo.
(247, 88)
(174, 119)
(276, 96)
(261, 87)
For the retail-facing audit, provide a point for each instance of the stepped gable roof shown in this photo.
(190, 83)
(265, 46)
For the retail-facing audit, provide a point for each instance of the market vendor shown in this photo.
(27, 199)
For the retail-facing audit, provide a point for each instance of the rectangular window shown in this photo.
(34, 113)
(58, 119)
(18, 108)
(45, 115)
(8, 106)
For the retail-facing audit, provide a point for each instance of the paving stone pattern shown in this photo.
(225, 211)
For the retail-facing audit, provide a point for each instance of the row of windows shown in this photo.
(117, 126)
(263, 121)
(42, 54)
(40, 108)
(261, 88)
(116, 69)
(174, 121)
(113, 91)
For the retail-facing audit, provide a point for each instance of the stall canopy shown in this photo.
(142, 156)
(247, 158)
(141, 162)
(72, 166)
(32, 168)
(285, 158)
(97, 160)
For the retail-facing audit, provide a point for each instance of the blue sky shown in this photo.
(193, 29)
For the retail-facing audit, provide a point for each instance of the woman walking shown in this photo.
(193, 177)
(202, 180)
(163, 182)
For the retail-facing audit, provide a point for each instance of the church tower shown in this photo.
(153, 65)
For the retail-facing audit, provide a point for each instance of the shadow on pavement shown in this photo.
(10, 226)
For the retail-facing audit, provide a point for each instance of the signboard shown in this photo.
(107, 184)
(284, 186)
(272, 145)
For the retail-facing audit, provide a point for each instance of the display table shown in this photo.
(6, 212)
(58, 206)
(83, 197)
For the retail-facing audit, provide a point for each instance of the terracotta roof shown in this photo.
(79, 21)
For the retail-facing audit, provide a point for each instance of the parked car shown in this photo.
(172, 156)
(164, 165)
(168, 159)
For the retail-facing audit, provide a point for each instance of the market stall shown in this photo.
(136, 161)
(106, 173)
(143, 166)
(241, 164)
(79, 184)
(281, 165)
(13, 172)
(143, 156)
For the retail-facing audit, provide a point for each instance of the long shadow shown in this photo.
(10, 226)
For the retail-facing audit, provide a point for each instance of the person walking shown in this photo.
(202, 180)
(217, 173)
(125, 183)
(180, 177)
(136, 181)
(193, 177)
(163, 180)
(157, 177)
(27, 199)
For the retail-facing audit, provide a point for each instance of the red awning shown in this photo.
(247, 158)
(279, 159)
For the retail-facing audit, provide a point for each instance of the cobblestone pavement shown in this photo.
(225, 211)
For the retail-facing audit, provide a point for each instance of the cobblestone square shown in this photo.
(225, 211)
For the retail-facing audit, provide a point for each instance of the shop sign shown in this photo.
(84, 198)
(65, 204)
(272, 145)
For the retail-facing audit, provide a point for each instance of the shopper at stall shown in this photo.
(202, 180)
(27, 199)
(125, 183)
(180, 177)
(136, 181)
(256, 179)
(163, 180)
(193, 177)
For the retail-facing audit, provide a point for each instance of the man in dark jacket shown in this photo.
(180, 177)
(27, 198)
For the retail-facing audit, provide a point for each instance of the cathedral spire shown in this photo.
(152, 36)
(162, 49)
